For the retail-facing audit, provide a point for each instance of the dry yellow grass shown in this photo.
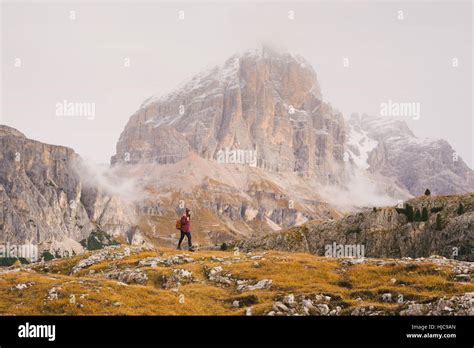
(297, 273)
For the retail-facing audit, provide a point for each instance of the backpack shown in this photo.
(178, 224)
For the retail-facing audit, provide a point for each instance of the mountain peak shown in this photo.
(228, 74)
(264, 98)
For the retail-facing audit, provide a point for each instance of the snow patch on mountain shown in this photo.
(226, 76)
(359, 147)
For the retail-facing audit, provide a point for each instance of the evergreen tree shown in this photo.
(439, 222)
(427, 192)
(424, 214)
(417, 215)
(460, 209)
(409, 213)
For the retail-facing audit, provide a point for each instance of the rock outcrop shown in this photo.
(442, 225)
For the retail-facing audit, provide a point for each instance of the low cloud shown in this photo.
(360, 192)
(112, 181)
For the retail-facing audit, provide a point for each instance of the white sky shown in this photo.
(82, 60)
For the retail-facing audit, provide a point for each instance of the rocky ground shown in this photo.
(387, 232)
(142, 280)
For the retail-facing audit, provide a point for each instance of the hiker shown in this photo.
(185, 228)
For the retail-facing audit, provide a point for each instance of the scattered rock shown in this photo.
(177, 259)
(456, 305)
(22, 286)
(110, 253)
(128, 276)
(179, 276)
(323, 309)
(289, 300)
(462, 277)
(262, 284)
(280, 307)
(217, 275)
(216, 270)
(387, 297)
(53, 293)
(314, 304)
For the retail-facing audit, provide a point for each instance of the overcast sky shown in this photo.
(82, 60)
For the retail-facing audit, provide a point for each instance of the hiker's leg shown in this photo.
(188, 234)
(181, 239)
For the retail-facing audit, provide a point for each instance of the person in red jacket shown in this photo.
(186, 229)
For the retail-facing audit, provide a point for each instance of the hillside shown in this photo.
(140, 281)
(437, 225)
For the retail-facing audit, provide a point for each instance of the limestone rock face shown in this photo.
(262, 100)
(42, 198)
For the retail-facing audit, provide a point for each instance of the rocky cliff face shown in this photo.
(42, 198)
(262, 100)
(447, 230)
(387, 146)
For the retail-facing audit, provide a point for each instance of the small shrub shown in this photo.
(47, 256)
(97, 240)
(460, 209)
(427, 192)
(344, 284)
(10, 261)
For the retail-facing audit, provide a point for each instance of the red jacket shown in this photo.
(185, 223)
